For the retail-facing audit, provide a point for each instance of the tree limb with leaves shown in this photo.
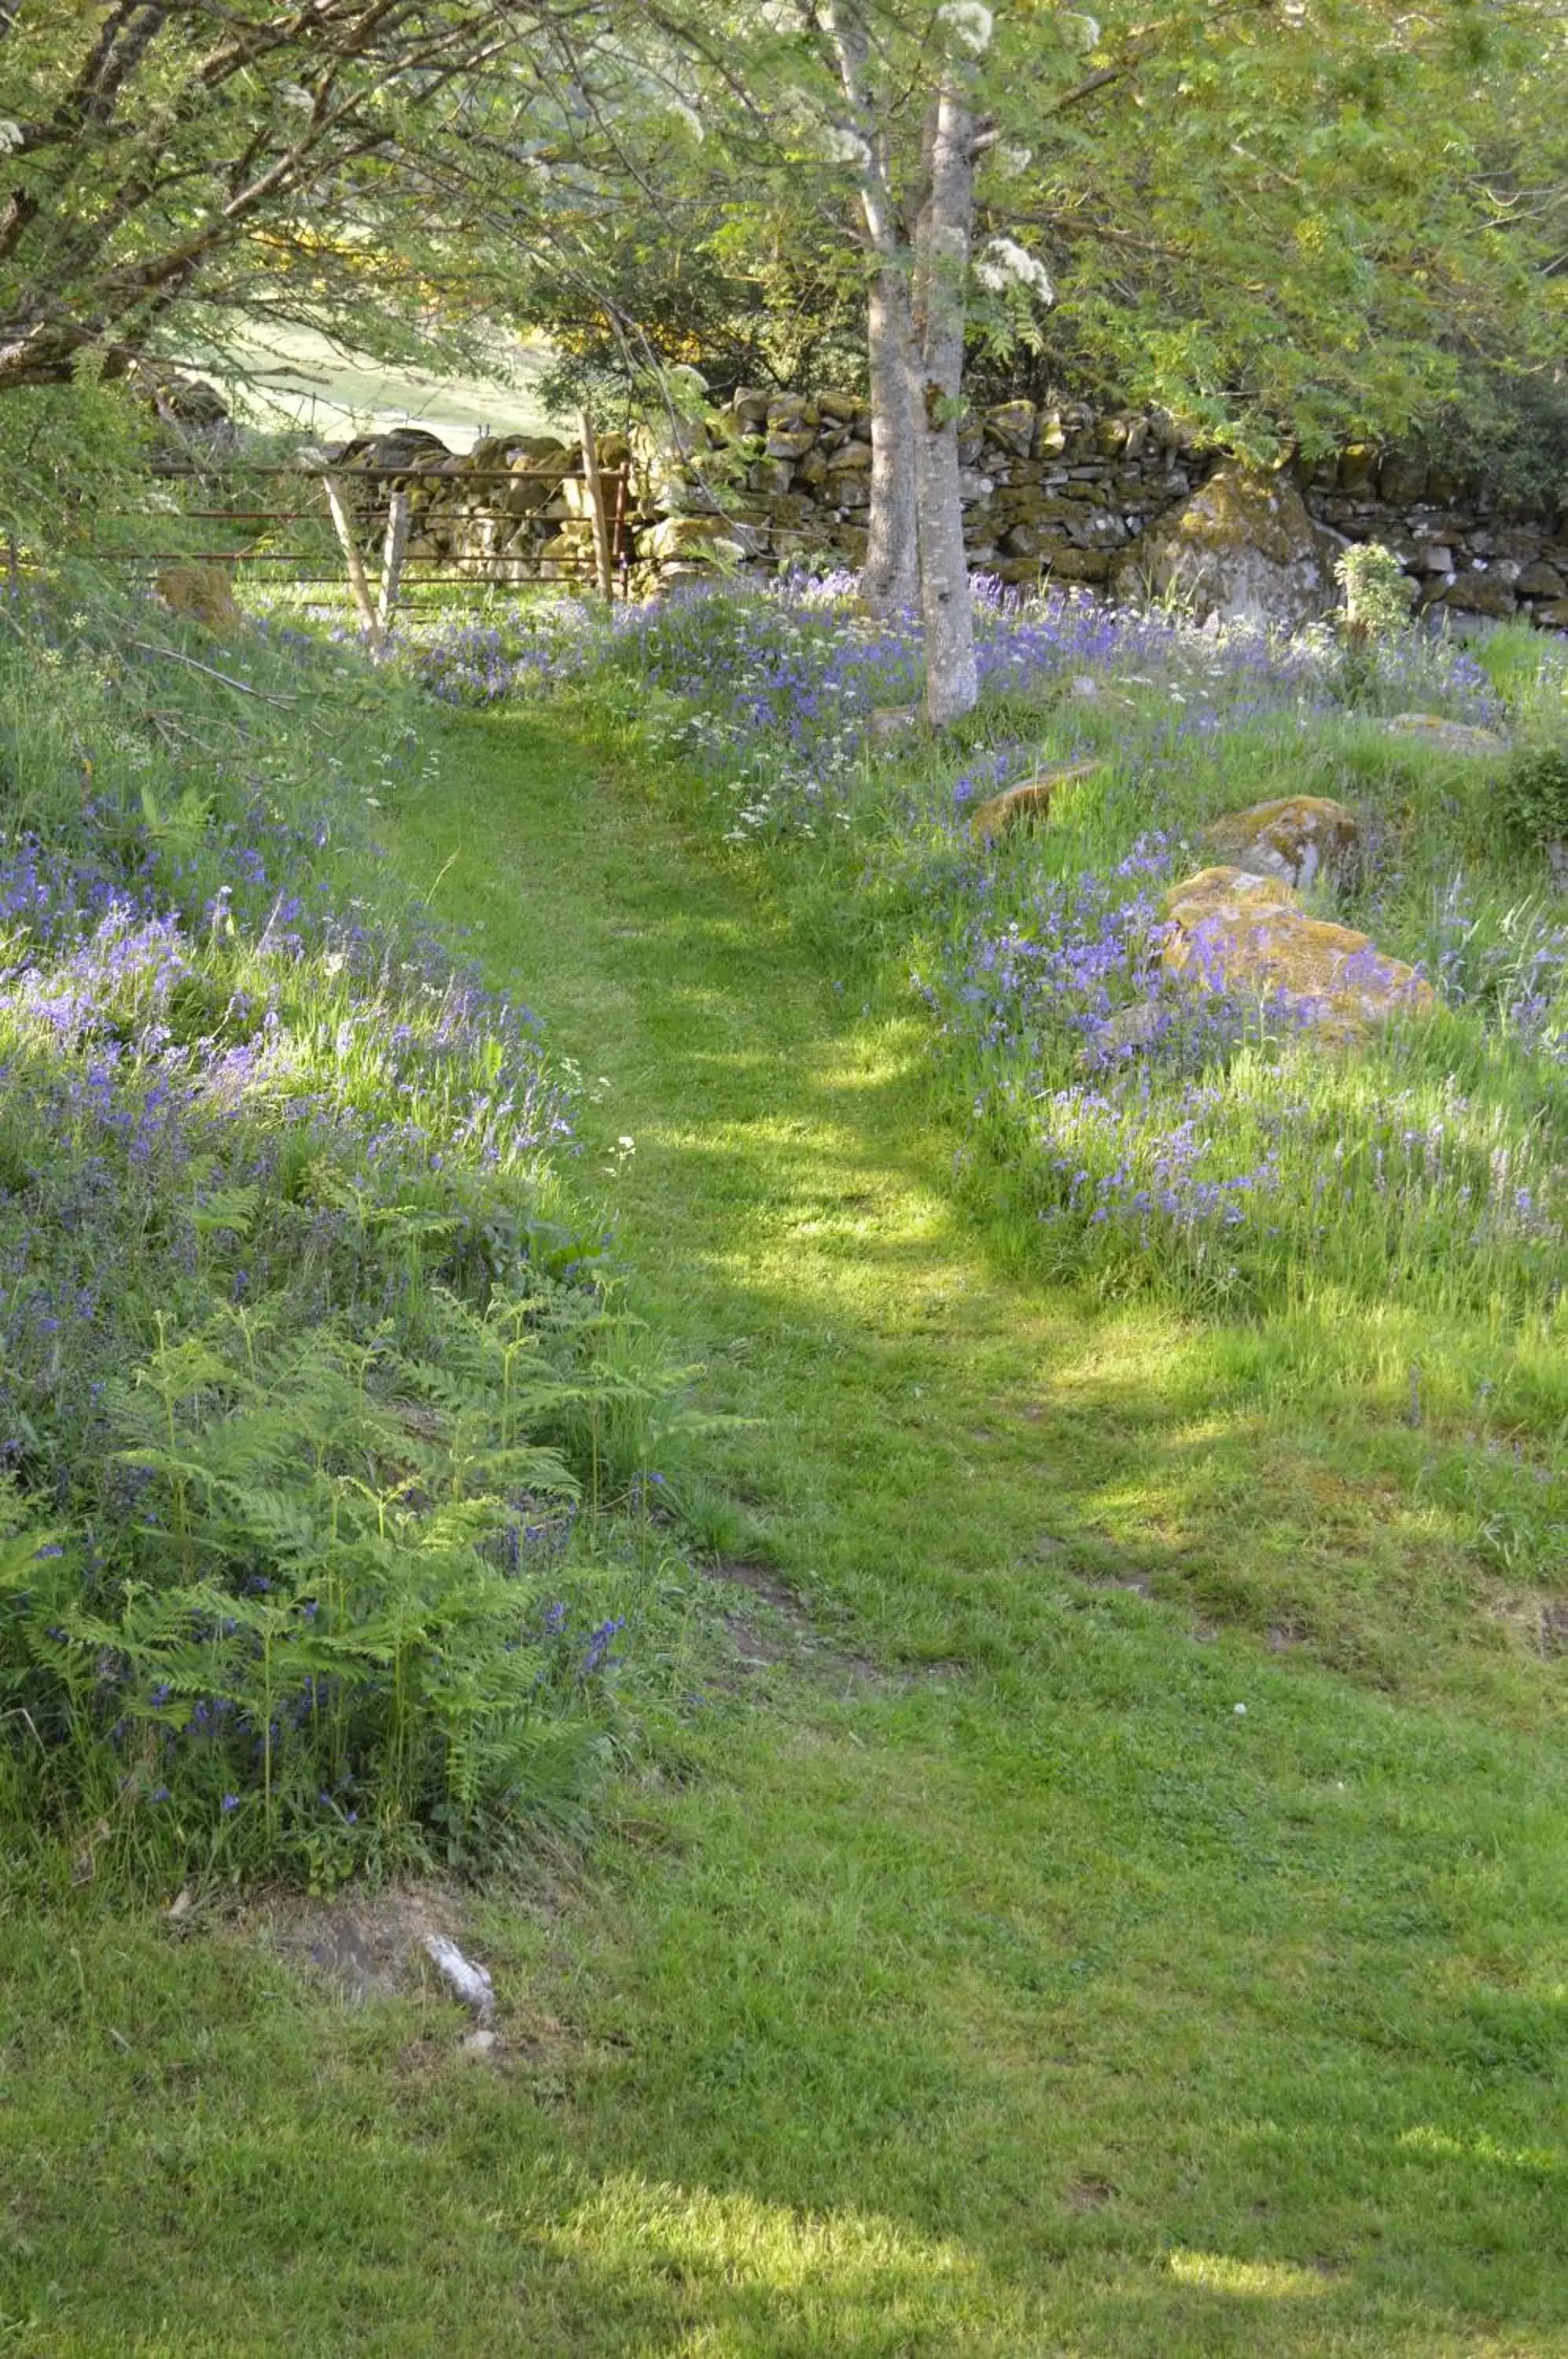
(163, 159)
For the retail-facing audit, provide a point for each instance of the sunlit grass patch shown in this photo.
(1218, 2272)
(1208, 1154)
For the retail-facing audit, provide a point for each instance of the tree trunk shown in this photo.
(891, 581)
(936, 380)
(890, 578)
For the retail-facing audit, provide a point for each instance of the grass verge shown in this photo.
(978, 1979)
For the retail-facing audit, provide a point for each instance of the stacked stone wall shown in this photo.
(1463, 547)
(1057, 492)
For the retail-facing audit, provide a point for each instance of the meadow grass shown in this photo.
(956, 1968)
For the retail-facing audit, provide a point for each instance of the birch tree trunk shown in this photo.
(890, 578)
(891, 581)
(936, 379)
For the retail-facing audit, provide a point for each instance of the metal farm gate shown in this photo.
(380, 537)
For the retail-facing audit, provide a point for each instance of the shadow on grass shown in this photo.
(1193, 2032)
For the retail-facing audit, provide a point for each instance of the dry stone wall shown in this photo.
(1054, 491)
(1464, 549)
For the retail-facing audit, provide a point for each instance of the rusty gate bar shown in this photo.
(426, 573)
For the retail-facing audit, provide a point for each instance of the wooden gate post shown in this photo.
(603, 558)
(343, 522)
(392, 554)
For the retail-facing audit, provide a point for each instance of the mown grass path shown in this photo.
(1020, 1994)
(972, 1977)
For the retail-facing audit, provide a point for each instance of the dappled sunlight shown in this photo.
(1186, 1445)
(836, 2269)
(1476, 2146)
(1192, 1448)
(1218, 2273)
(986, 1938)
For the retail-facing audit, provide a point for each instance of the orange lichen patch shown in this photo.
(1454, 736)
(1024, 805)
(1299, 838)
(1231, 931)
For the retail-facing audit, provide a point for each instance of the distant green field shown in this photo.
(294, 376)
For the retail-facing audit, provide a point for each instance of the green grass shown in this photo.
(963, 1974)
(294, 376)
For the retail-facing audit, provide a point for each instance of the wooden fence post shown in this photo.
(343, 522)
(604, 560)
(392, 556)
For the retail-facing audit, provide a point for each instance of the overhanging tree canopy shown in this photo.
(316, 159)
(1282, 218)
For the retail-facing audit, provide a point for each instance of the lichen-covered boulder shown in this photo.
(1243, 548)
(1454, 736)
(1298, 838)
(1248, 935)
(1023, 805)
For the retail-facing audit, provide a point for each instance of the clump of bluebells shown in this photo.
(782, 678)
(1201, 1141)
(461, 660)
(300, 1342)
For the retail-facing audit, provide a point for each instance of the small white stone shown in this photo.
(471, 1983)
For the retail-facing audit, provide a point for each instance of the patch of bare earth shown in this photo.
(782, 1631)
(370, 1947)
(1537, 1622)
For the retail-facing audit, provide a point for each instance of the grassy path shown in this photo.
(975, 1978)
(1077, 2008)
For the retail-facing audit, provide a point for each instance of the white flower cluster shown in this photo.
(968, 22)
(1004, 263)
(1081, 32)
(841, 146)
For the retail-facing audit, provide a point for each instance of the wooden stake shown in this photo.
(392, 555)
(343, 522)
(604, 560)
(618, 550)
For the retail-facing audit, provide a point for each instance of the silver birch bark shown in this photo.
(890, 578)
(891, 581)
(942, 263)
